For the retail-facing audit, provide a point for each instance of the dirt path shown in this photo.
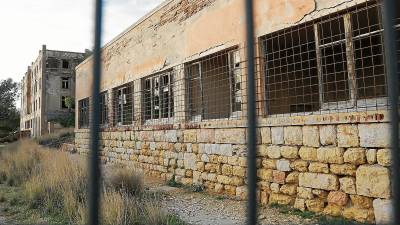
(206, 209)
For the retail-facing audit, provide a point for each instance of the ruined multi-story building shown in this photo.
(49, 80)
(173, 101)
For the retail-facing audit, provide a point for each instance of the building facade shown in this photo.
(173, 101)
(49, 80)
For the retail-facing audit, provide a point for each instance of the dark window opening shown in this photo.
(63, 103)
(104, 108)
(65, 64)
(123, 105)
(52, 63)
(65, 82)
(83, 113)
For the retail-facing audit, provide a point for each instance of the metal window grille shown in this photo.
(104, 108)
(83, 113)
(123, 104)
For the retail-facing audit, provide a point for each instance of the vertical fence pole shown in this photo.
(94, 164)
(389, 12)
(251, 118)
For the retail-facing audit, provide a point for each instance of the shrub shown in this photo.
(126, 180)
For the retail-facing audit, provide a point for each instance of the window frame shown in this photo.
(119, 107)
(65, 83)
(84, 113)
(104, 112)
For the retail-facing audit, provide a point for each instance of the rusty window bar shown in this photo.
(251, 118)
(389, 9)
(94, 165)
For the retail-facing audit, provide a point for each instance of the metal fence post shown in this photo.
(389, 12)
(251, 118)
(94, 165)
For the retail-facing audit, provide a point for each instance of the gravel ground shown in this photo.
(206, 209)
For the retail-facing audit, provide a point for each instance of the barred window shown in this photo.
(123, 104)
(83, 113)
(158, 98)
(52, 62)
(104, 108)
(331, 63)
(214, 86)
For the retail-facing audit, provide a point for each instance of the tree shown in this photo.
(70, 102)
(9, 115)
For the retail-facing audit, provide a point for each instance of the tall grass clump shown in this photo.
(126, 180)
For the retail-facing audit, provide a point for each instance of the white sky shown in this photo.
(60, 24)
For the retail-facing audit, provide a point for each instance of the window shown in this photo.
(158, 99)
(63, 103)
(65, 83)
(123, 105)
(65, 64)
(52, 62)
(214, 86)
(104, 108)
(332, 63)
(83, 113)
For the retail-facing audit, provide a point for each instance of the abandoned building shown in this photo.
(47, 83)
(173, 101)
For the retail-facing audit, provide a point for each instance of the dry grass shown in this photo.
(55, 183)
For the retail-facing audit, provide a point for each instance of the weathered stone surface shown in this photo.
(264, 197)
(278, 177)
(333, 210)
(361, 201)
(307, 153)
(304, 193)
(373, 181)
(275, 188)
(262, 150)
(374, 135)
(277, 135)
(230, 136)
(266, 135)
(265, 174)
(371, 156)
(343, 169)
(355, 156)
(190, 136)
(327, 135)
(226, 169)
(338, 198)
(283, 165)
(347, 135)
(317, 167)
(320, 193)
(348, 185)
(274, 152)
(319, 181)
(299, 165)
(383, 211)
(293, 135)
(360, 215)
(292, 178)
(190, 161)
(205, 135)
(384, 157)
(269, 163)
(289, 152)
(281, 199)
(330, 155)
(171, 136)
(224, 149)
(311, 136)
(315, 205)
(224, 179)
(239, 171)
(289, 189)
(300, 204)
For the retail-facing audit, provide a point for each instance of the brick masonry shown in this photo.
(339, 170)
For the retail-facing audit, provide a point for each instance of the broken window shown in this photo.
(332, 62)
(63, 103)
(65, 64)
(83, 113)
(123, 105)
(104, 108)
(214, 86)
(65, 82)
(52, 62)
(158, 99)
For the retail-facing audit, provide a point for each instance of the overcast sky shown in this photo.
(60, 24)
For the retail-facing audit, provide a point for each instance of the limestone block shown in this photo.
(262, 150)
(277, 135)
(311, 136)
(384, 157)
(333, 210)
(239, 171)
(205, 158)
(264, 174)
(319, 181)
(292, 178)
(358, 214)
(371, 156)
(159, 136)
(288, 189)
(274, 152)
(205, 135)
(219, 188)
(266, 135)
(223, 179)
(355, 156)
(348, 185)
(278, 176)
(304, 193)
(283, 165)
(338, 198)
(225, 149)
(315, 205)
(343, 169)
(299, 165)
(241, 192)
(281, 199)
(275, 188)
(293, 135)
(289, 152)
(361, 201)
(373, 181)
(230, 136)
(269, 163)
(383, 211)
(300, 204)
(307, 153)
(374, 135)
(317, 167)
(226, 169)
(327, 135)
(190, 135)
(330, 155)
(347, 135)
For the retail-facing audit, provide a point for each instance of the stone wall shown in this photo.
(338, 169)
